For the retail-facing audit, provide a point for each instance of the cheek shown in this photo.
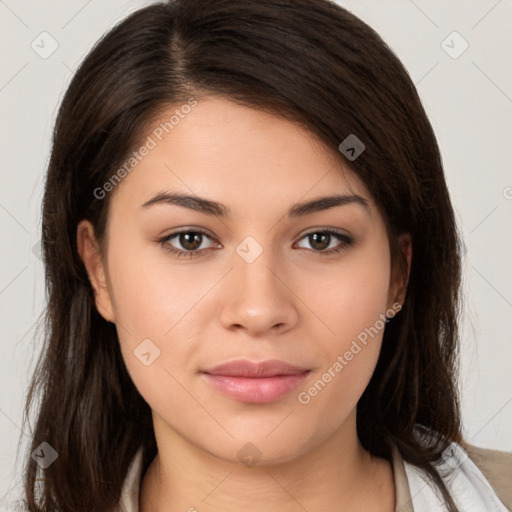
(352, 305)
(159, 330)
(153, 294)
(352, 297)
(159, 319)
(332, 392)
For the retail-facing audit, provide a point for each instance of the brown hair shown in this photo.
(313, 63)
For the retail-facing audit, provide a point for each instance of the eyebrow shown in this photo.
(213, 208)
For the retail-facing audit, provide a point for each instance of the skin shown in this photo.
(292, 303)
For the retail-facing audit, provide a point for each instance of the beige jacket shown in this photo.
(496, 466)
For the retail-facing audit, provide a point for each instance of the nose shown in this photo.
(258, 298)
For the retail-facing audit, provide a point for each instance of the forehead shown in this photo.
(242, 156)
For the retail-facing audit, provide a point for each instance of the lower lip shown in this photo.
(255, 390)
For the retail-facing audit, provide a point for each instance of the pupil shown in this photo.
(190, 241)
(315, 243)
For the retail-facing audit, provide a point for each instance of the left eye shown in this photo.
(321, 241)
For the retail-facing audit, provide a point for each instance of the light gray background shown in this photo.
(468, 100)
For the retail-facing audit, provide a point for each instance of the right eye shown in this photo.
(190, 240)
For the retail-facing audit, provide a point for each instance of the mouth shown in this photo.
(256, 383)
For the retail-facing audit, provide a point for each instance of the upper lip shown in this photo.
(246, 368)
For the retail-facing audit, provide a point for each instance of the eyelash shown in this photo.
(346, 240)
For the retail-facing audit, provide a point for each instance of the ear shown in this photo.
(398, 284)
(89, 253)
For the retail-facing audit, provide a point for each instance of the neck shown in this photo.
(336, 475)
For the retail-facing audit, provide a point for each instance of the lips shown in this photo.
(255, 383)
(245, 368)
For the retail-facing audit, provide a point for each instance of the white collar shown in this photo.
(467, 485)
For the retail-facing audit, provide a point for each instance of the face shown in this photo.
(266, 280)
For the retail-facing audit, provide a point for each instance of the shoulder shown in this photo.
(496, 466)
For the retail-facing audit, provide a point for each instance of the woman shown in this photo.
(253, 274)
